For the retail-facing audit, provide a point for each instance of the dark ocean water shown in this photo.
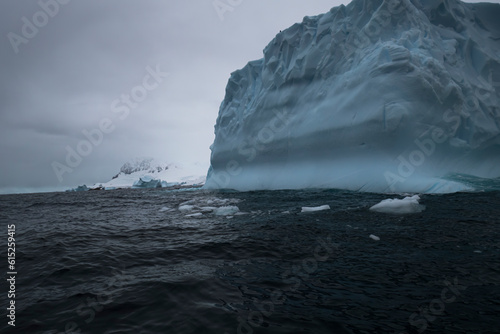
(128, 261)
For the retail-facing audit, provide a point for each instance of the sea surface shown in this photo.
(192, 261)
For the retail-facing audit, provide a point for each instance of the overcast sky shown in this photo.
(102, 65)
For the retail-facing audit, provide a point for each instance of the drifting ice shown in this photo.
(195, 215)
(148, 182)
(399, 206)
(379, 95)
(314, 209)
(185, 208)
(226, 210)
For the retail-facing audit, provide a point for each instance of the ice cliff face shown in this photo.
(384, 96)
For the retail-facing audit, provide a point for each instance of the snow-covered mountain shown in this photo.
(379, 95)
(154, 173)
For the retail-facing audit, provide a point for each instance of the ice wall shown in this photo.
(384, 96)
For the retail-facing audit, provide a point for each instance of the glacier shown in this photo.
(379, 95)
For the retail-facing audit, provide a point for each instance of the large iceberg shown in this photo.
(383, 96)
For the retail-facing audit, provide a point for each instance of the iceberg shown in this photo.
(388, 96)
(79, 188)
(148, 182)
(399, 206)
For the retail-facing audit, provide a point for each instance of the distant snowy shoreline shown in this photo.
(152, 173)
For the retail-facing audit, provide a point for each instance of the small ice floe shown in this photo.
(399, 206)
(241, 213)
(185, 208)
(190, 202)
(286, 212)
(316, 208)
(374, 237)
(195, 215)
(221, 201)
(226, 211)
(477, 251)
(208, 208)
(165, 208)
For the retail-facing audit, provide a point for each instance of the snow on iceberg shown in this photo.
(380, 95)
(315, 209)
(399, 206)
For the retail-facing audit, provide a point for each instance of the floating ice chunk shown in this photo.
(226, 210)
(147, 181)
(286, 212)
(195, 215)
(184, 208)
(241, 213)
(221, 201)
(399, 206)
(374, 237)
(314, 209)
(165, 208)
(477, 251)
(208, 208)
(190, 202)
